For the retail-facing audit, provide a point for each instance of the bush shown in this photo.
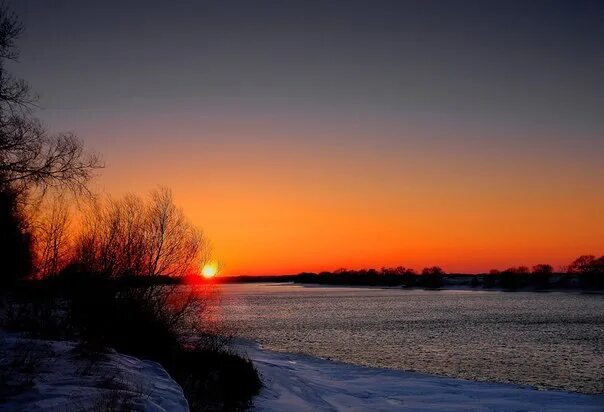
(124, 321)
(215, 380)
(155, 322)
(32, 307)
(152, 322)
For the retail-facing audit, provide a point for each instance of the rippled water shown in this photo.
(547, 340)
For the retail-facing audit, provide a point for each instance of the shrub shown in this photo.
(161, 323)
(215, 379)
(158, 322)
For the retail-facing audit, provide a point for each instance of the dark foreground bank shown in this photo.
(149, 322)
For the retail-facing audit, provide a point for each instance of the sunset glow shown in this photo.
(449, 144)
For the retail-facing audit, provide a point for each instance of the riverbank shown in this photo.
(50, 375)
(296, 382)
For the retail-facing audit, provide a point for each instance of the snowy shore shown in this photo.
(40, 375)
(301, 383)
(50, 376)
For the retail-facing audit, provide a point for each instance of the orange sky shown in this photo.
(272, 208)
(320, 136)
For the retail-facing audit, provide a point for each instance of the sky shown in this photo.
(315, 135)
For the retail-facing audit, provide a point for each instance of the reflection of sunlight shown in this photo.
(209, 270)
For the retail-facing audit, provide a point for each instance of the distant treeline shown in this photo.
(585, 272)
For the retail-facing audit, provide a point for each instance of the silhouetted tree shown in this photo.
(399, 275)
(541, 275)
(52, 237)
(174, 243)
(590, 270)
(587, 264)
(28, 154)
(432, 277)
(15, 239)
(514, 277)
(131, 237)
(30, 158)
(409, 278)
(543, 269)
(434, 270)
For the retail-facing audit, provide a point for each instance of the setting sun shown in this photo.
(209, 270)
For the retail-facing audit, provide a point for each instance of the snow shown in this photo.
(296, 382)
(53, 376)
(40, 375)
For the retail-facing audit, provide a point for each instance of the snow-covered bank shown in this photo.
(38, 375)
(301, 383)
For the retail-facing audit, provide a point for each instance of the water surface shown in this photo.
(547, 340)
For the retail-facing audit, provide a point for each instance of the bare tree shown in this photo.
(31, 161)
(129, 236)
(434, 270)
(15, 94)
(543, 268)
(29, 155)
(52, 237)
(587, 264)
(132, 235)
(173, 242)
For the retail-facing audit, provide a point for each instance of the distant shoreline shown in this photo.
(521, 283)
(454, 288)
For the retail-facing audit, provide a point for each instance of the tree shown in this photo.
(173, 242)
(541, 275)
(434, 270)
(587, 264)
(543, 268)
(432, 277)
(29, 155)
(514, 277)
(52, 237)
(15, 239)
(30, 158)
(590, 270)
(517, 270)
(133, 237)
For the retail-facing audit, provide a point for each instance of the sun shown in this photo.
(209, 270)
